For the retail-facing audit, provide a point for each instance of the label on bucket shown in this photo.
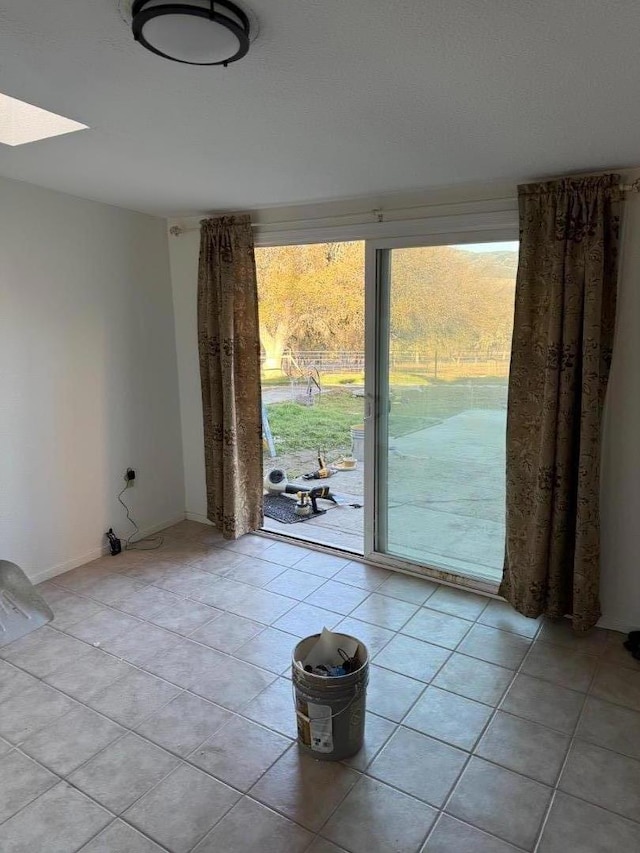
(320, 727)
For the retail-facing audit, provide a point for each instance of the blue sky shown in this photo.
(490, 247)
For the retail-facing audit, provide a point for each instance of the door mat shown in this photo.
(282, 509)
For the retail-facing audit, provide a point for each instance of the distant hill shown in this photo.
(496, 264)
(442, 298)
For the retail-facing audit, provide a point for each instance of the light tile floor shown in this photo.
(155, 714)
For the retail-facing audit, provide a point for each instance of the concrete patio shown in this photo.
(446, 508)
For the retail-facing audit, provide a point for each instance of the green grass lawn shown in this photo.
(326, 425)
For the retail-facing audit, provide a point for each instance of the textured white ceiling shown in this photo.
(337, 98)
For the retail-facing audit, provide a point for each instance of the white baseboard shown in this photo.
(74, 562)
(195, 516)
(611, 623)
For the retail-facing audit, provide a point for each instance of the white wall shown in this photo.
(88, 378)
(183, 253)
(349, 219)
(620, 589)
(620, 494)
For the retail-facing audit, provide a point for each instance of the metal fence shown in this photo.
(429, 362)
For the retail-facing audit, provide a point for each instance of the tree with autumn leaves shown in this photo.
(452, 300)
(442, 298)
(310, 297)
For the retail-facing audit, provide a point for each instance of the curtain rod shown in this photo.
(377, 212)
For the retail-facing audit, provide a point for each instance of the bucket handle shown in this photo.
(299, 713)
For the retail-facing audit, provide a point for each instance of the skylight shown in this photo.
(21, 122)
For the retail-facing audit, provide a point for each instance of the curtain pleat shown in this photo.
(562, 345)
(229, 350)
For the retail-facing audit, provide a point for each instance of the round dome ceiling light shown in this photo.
(200, 32)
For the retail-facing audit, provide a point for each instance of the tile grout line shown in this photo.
(440, 810)
(292, 746)
(399, 724)
(114, 821)
(443, 809)
(182, 759)
(396, 723)
(164, 779)
(140, 666)
(280, 675)
(430, 683)
(128, 730)
(65, 781)
(360, 774)
(572, 740)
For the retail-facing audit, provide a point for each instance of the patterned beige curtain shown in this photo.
(562, 342)
(229, 347)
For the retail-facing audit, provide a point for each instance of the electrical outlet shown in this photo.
(130, 476)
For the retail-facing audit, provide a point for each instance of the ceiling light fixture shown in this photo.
(200, 32)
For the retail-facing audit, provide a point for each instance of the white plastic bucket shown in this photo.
(330, 711)
(357, 442)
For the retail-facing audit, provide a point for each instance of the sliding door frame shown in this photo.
(475, 221)
(377, 316)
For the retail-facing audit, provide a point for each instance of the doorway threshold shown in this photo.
(475, 583)
(314, 533)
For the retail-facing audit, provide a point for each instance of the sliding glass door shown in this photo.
(311, 308)
(439, 333)
(429, 391)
